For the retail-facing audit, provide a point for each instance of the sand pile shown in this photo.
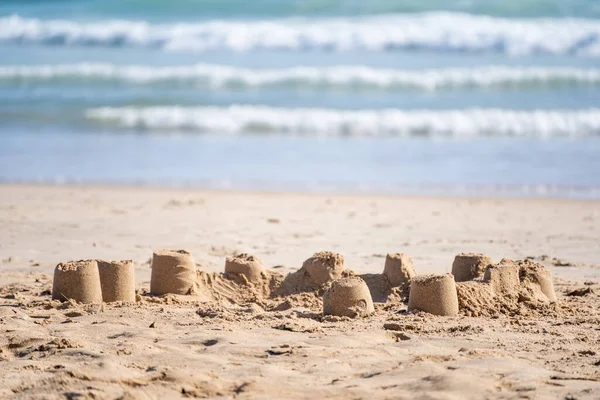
(507, 288)
(435, 294)
(348, 297)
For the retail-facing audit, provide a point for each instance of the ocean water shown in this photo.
(477, 97)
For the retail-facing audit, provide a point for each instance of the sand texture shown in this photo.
(211, 335)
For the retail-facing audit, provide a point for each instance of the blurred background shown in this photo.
(477, 97)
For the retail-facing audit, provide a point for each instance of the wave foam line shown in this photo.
(329, 122)
(435, 31)
(345, 77)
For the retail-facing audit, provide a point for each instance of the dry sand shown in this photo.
(268, 339)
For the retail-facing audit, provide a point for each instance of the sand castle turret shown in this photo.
(77, 280)
(117, 279)
(503, 277)
(348, 297)
(173, 271)
(435, 294)
(469, 266)
(537, 275)
(248, 266)
(324, 266)
(399, 269)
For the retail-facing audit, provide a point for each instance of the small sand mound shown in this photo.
(244, 267)
(324, 267)
(218, 287)
(77, 280)
(435, 294)
(469, 266)
(348, 297)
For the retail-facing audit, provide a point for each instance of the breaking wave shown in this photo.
(329, 122)
(434, 31)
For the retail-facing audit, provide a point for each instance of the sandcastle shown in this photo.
(505, 287)
(399, 269)
(173, 271)
(435, 294)
(77, 280)
(248, 266)
(469, 266)
(504, 277)
(324, 266)
(117, 279)
(536, 274)
(348, 297)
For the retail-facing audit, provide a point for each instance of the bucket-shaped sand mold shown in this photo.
(538, 275)
(435, 294)
(503, 277)
(117, 279)
(399, 269)
(173, 271)
(469, 266)
(77, 280)
(244, 264)
(348, 297)
(324, 266)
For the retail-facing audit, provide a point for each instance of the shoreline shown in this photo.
(214, 189)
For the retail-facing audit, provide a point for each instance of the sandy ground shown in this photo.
(182, 347)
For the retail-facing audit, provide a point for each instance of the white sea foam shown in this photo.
(436, 31)
(345, 77)
(329, 122)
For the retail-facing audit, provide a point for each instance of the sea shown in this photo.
(471, 97)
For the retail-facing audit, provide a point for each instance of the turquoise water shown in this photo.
(476, 97)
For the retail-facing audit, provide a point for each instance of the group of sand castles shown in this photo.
(476, 286)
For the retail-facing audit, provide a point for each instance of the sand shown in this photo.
(269, 338)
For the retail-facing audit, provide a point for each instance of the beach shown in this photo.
(178, 346)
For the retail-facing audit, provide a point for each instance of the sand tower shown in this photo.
(246, 265)
(469, 266)
(348, 297)
(324, 266)
(77, 280)
(399, 269)
(173, 271)
(117, 279)
(435, 294)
